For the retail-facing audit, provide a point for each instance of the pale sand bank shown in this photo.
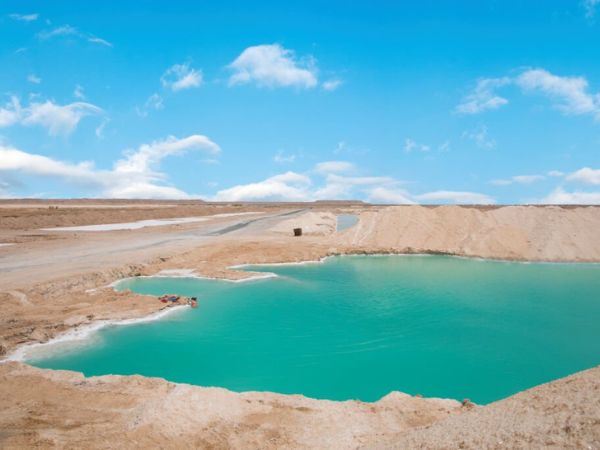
(49, 408)
(64, 409)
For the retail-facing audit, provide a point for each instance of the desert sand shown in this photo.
(54, 282)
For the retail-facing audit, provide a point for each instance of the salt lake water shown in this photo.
(359, 327)
(345, 221)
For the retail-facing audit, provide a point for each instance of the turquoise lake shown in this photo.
(359, 327)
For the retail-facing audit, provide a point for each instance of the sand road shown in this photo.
(76, 252)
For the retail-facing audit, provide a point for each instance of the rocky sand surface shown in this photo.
(63, 409)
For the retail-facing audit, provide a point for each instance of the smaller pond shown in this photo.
(345, 221)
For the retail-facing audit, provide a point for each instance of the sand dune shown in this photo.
(512, 232)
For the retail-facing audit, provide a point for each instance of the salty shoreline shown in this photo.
(86, 332)
(79, 298)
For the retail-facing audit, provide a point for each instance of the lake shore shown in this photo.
(70, 295)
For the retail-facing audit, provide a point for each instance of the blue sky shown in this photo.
(390, 102)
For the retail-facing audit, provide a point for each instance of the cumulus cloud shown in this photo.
(569, 94)
(585, 175)
(136, 175)
(24, 17)
(181, 76)
(346, 187)
(57, 119)
(290, 186)
(143, 159)
(484, 97)
(519, 179)
(293, 186)
(556, 173)
(389, 195)
(456, 197)
(273, 66)
(560, 196)
(329, 181)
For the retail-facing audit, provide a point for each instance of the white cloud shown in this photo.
(68, 30)
(290, 186)
(481, 137)
(59, 119)
(560, 196)
(149, 155)
(153, 103)
(590, 8)
(456, 197)
(570, 92)
(34, 79)
(281, 158)
(10, 113)
(24, 17)
(136, 175)
(273, 66)
(100, 128)
(586, 175)
(65, 30)
(14, 160)
(445, 146)
(392, 196)
(520, 179)
(78, 92)
(97, 40)
(556, 173)
(483, 97)
(332, 85)
(410, 145)
(181, 76)
(334, 167)
(345, 187)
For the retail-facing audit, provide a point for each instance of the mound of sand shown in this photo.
(549, 233)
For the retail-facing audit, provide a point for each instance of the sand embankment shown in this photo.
(534, 233)
(50, 408)
(43, 408)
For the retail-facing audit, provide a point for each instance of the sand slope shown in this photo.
(59, 408)
(549, 233)
(63, 409)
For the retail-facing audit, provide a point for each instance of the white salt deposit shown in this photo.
(144, 223)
